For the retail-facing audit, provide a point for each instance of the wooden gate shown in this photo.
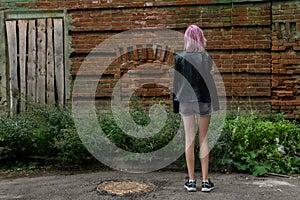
(36, 68)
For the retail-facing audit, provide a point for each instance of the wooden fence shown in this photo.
(36, 68)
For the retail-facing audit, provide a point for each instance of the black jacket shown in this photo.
(193, 80)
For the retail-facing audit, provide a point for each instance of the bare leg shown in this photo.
(189, 128)
(203, 124)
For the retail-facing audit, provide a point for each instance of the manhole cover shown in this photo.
(124, 187)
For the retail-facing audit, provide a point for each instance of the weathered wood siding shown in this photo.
(36, 62)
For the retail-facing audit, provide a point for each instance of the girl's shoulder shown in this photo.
(197, 56)
(205, 54)
(180, 56)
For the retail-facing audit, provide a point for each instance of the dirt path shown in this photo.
(167, 185)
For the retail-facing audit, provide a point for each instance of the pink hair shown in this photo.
(194, 40)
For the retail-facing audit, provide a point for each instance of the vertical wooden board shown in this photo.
(59, 60)
(31, 62)
(11, 30)
(22, 24)
(41, 60)
(67, 52)
(3, 84)
(50, 89)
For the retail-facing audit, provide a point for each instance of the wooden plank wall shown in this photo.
(36, 62)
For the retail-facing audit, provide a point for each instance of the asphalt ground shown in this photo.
(164, 185)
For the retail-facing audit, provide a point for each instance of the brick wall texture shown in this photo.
(254, 43)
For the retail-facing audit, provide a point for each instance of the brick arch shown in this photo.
(145, 53)
(151, 82)
(142, 67)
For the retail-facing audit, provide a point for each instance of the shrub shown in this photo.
(17, 140)
(71, 149)
(140, 116)
(42, 132)
(251, 143)
(260, 144)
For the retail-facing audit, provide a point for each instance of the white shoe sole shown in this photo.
(207, 189)
(190, 189)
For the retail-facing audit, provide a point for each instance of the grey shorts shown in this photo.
(195, 108)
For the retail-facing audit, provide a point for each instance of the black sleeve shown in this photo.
(212, 86)
(175, 86)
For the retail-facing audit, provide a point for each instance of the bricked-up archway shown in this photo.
(143, 67)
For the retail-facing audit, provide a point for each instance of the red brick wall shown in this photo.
(286, 58)
(255, 43)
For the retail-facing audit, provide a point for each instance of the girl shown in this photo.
(196, 94)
